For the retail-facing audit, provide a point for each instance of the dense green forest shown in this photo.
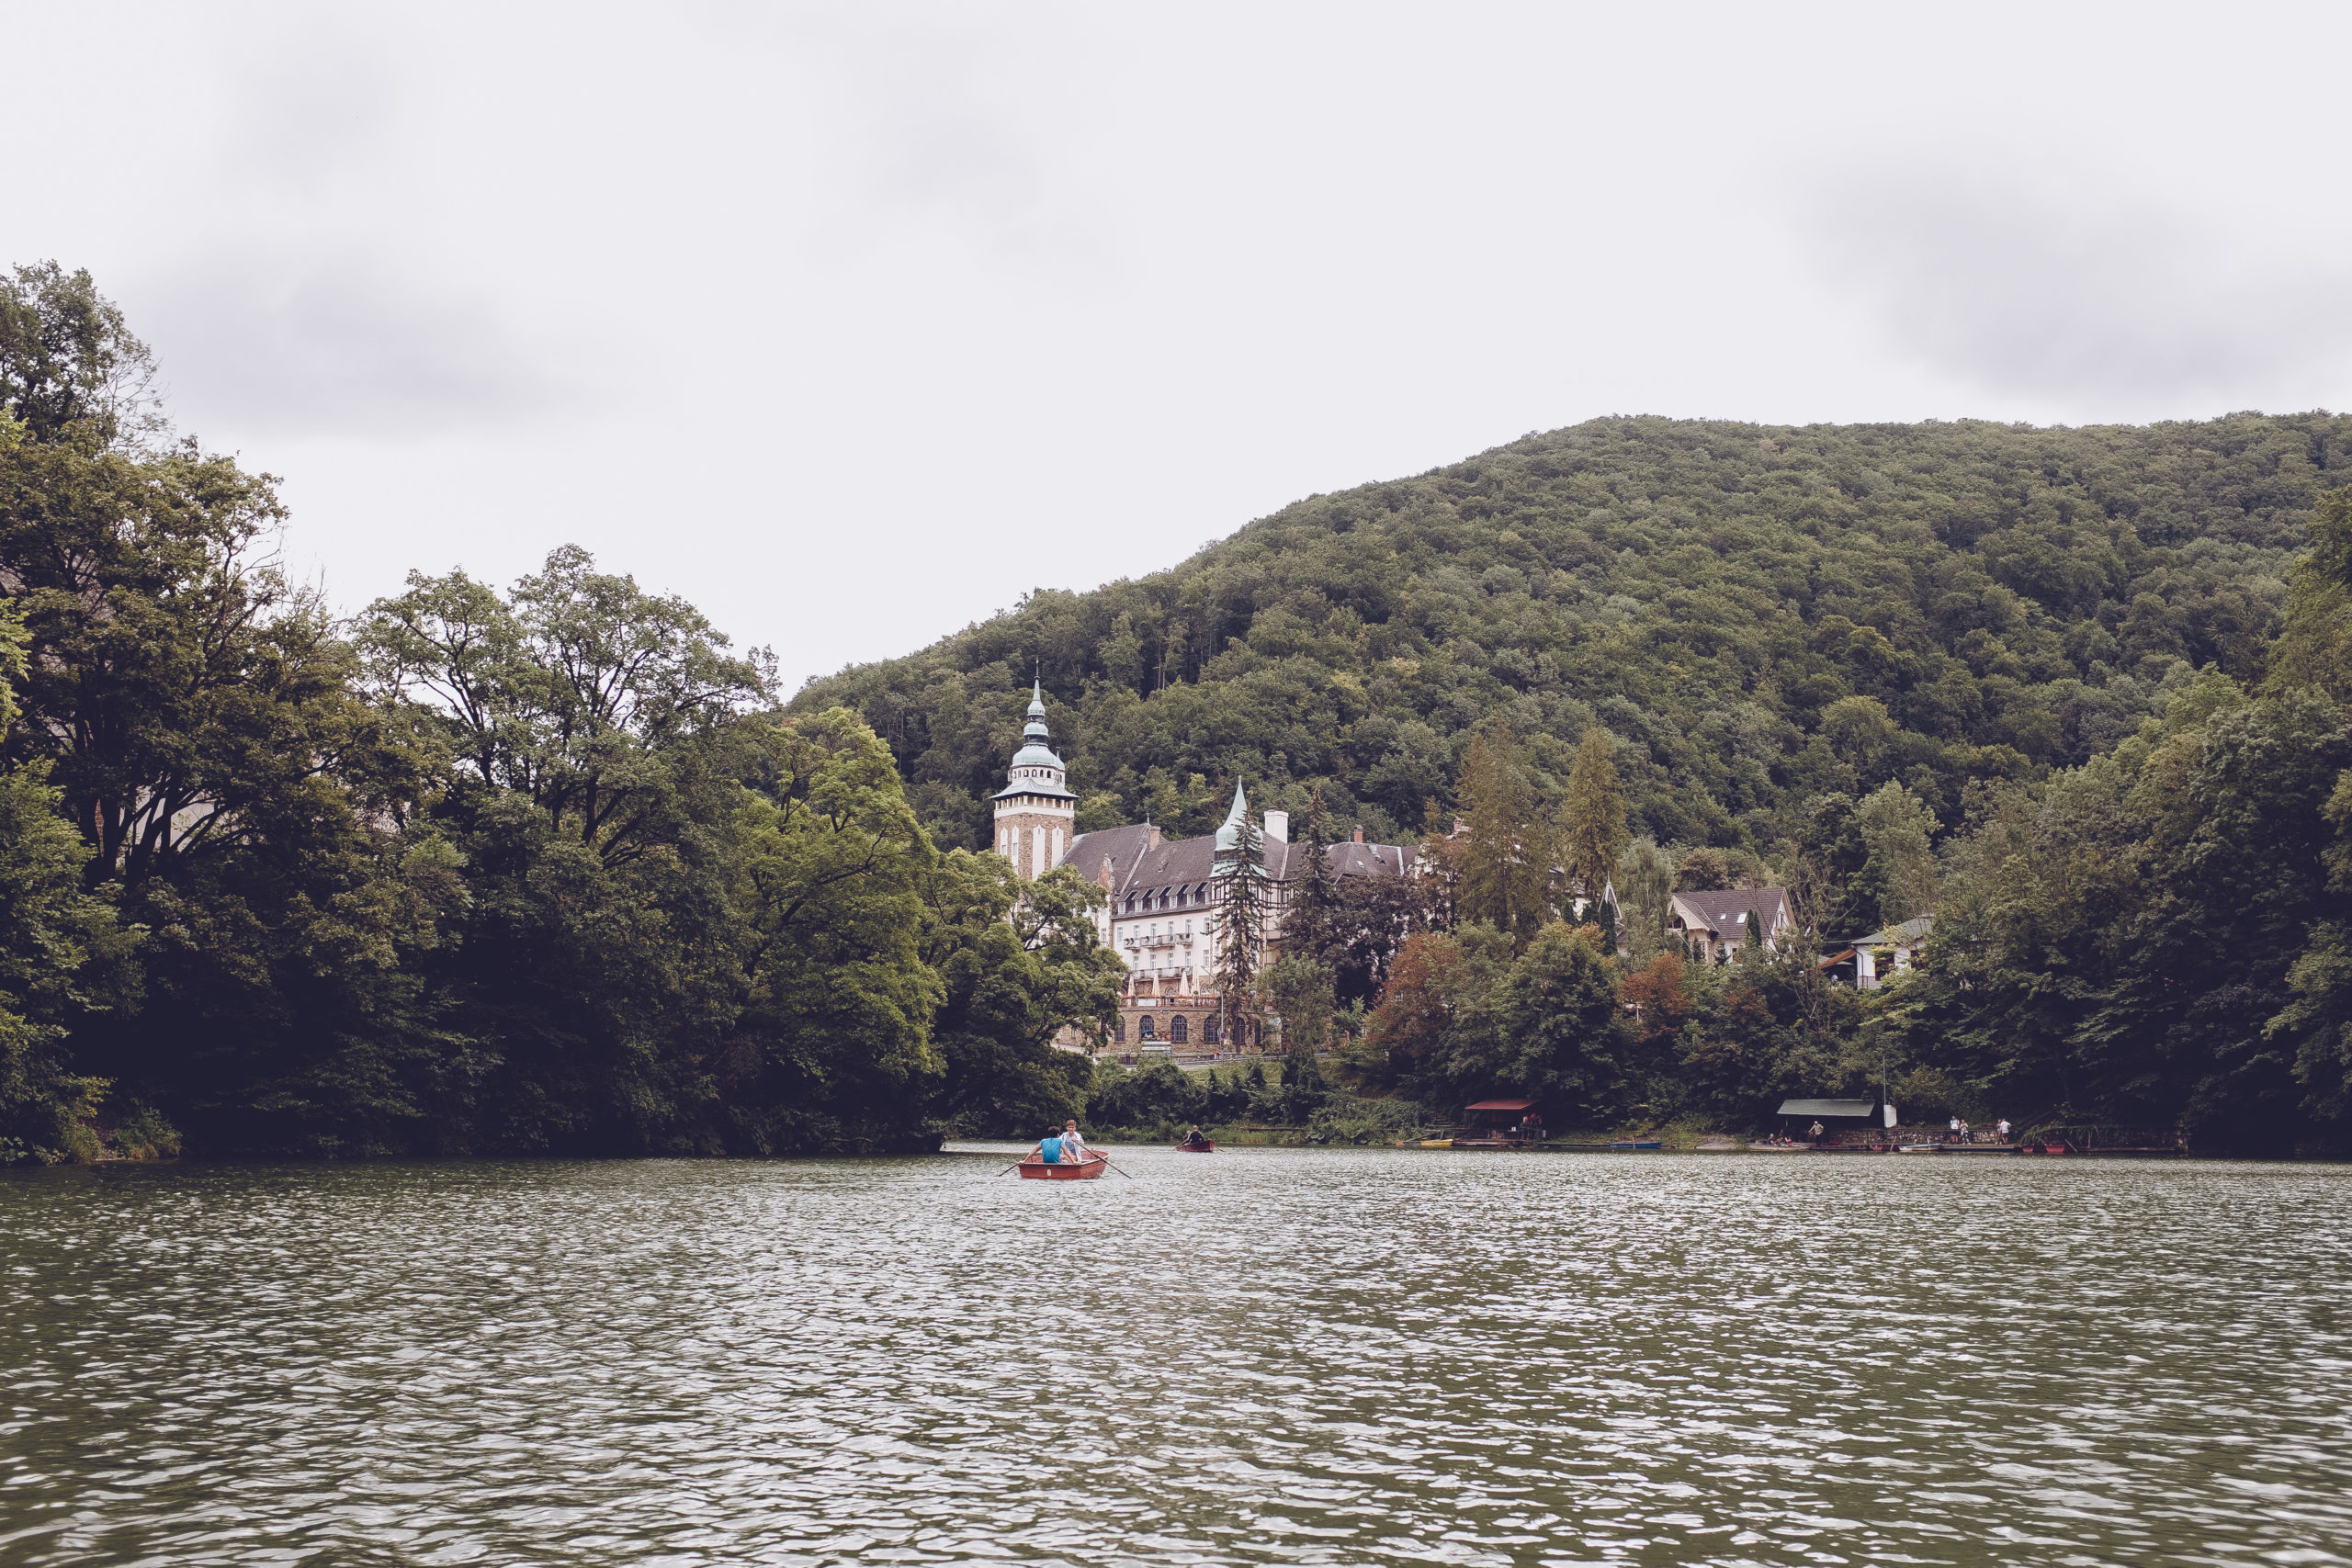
(555, 868)
(1758, 613)
(534, 869)
(2067, 689)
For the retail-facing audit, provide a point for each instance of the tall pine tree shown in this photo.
(1310, 919)
(1592, 821)
(1239, 920)
(1504, 861)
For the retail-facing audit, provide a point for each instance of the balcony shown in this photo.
(1156, 942)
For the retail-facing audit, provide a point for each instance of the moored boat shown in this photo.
(1035, 1169)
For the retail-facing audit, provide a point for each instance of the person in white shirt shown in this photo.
(1073, 1144)
(2002, 1127)
(1955, 1129)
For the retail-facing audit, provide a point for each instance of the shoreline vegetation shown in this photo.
(557, 869)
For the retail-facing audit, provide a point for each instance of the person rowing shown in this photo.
(1196, 1139)
(1050, 1147)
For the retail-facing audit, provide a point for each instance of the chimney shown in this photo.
(1278, 827)
(1151, 835)
(1359, 839)
(1108, 876)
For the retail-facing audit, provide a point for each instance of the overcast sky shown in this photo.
(855, 323)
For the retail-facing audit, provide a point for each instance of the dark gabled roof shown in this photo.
(1137, 866)
(1726, 909)
(1351, 859)
(1178, 863)
(1828, 1108)
(1120, 846)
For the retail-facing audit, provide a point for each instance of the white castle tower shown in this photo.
(1035, 811)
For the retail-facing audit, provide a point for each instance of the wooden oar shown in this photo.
(1106, 1160)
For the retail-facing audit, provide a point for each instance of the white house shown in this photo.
(1902, 944)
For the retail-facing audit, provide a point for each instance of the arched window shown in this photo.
(1143, 1027)
(1210, 1030)
(1176, 1030)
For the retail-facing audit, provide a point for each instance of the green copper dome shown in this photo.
(1035, 752)
(1035, 757)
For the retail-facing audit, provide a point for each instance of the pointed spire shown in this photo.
(1036, 752)
(1035, 728)
(1229, 836)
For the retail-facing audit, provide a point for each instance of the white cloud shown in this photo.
(281, 340)
(850, 321)
(2076, 287)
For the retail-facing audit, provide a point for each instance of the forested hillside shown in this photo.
(551, 867)
(1758, 613)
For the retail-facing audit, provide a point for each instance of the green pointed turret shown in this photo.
(1229, 836)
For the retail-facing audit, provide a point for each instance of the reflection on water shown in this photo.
(1259, 1356)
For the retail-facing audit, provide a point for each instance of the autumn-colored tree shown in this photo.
(1409, 1025)
(1655, 997)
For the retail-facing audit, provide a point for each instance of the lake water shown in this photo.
(1259, 1356)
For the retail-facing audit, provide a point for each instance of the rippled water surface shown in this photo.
(1256, 1356)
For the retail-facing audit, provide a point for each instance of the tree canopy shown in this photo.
(1754, 615)
(551, 867)
(533, 869)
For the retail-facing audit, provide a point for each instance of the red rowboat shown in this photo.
(1035, 1169)
(1205, 1147)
